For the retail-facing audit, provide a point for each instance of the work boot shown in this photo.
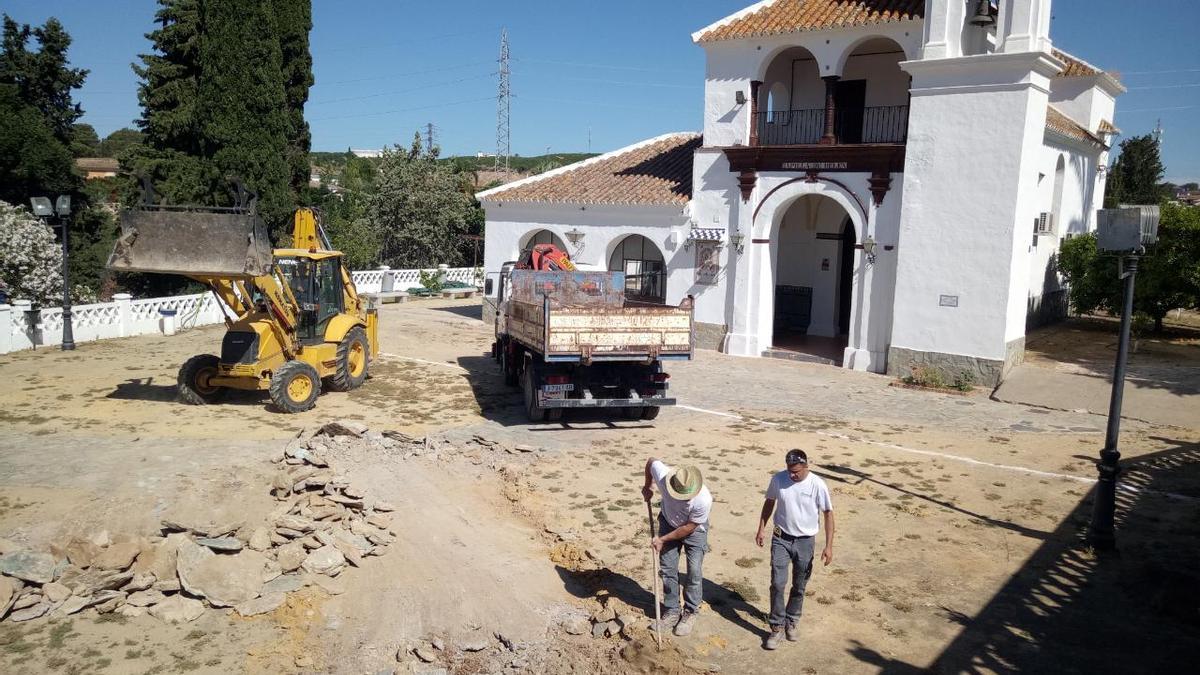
(686, 623)
(774, 638)
(667, 622)
(792, 631)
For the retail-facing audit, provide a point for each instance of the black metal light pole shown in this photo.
(1126, 231)
(68, 333)
(59, 212)
(1102, 534)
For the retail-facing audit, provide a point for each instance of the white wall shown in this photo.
(603, 228)
(969, 207)
(732, 64)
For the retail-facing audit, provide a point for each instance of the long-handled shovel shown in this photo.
(655, 581)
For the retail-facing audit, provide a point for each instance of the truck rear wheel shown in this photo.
(194, 376)
(507, 367)
(295, 387)
(650, 412)
(536, 412)
(353, 356)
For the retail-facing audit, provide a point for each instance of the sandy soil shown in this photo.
(958, 518)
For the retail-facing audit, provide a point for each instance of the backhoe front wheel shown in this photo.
(194, 380)
(353, 357)
(295, 387)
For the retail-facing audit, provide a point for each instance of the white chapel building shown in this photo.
(878, 184)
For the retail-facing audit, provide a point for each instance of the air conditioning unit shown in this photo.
(1045, 224)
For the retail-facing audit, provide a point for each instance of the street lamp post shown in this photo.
(1126, 231)
(61, 208)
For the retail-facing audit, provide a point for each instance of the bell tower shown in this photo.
(977, 119)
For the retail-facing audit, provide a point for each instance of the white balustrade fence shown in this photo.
(22, 328)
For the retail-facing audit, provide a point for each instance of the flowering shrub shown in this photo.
(30, 256)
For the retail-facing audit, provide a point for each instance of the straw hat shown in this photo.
(685, 482)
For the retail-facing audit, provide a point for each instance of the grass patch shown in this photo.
(59, 634)
(747, 562)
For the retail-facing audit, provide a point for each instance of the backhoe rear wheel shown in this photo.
(353, 359)
(295, 387)
(194, 376)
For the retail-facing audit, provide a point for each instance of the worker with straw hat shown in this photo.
(682, 523)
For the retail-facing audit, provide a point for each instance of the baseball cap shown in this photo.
(795, 457)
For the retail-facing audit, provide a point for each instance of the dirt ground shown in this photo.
(958, 541)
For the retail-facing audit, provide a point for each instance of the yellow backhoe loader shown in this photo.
(293, 316)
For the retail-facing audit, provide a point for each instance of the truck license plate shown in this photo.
(549, 388)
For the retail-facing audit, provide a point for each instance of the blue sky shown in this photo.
(619, 69)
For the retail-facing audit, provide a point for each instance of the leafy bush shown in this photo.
(926, 376)
(30, 257)
(431, 280)
(964, 381)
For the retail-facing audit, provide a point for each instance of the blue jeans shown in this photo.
(694, 546)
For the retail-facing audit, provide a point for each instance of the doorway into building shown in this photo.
(814, 279)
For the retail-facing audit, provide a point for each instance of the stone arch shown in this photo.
(772, 207)
(541, 236)
(1056, 198)
(644, 266)
(869, 43)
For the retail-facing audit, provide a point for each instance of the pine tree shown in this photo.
(294, 22)
(43, 78)
(170, 79)
(1136, 175)
(243, 121)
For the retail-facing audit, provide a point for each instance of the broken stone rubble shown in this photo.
(324, 523)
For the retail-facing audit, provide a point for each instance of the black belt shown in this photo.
(790, 537)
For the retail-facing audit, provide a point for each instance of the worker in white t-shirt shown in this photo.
(682, 523)
(797, 497)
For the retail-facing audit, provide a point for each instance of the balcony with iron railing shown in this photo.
(851, 126)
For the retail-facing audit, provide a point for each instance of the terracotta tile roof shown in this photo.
(654, 172)
(97, 164)
(791, 16)
(1063, 125)
(1107, 127)
(1075, 67)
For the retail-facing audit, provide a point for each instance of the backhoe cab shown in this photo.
(294, 320)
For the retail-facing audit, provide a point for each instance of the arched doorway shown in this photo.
(644, 267)
(541, 237)
(814, 279)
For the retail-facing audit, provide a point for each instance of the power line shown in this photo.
(402, 110)
(503, 106)
(396, 76)
(1159, 72)
(605, 66)
(400, 91)
(1166, 86)
(1121, 111)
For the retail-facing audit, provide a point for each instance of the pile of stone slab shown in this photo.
(321, 525)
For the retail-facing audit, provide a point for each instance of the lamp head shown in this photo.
(42, 207)
(63, 205)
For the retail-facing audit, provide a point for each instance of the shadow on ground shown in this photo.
(726, 602)
(466, 311)
(504, 405)
(1067, 610)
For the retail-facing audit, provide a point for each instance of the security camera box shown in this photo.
(1127, 228)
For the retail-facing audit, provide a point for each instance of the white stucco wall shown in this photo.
(603, 228)
(968, 211)
(733, 64)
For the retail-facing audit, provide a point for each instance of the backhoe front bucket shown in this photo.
(192, 243)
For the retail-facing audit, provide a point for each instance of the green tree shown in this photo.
(243, 120)
(43, 79)
(32, 161)
(170, 79)
(1168, 276)
(119, 141)
(418, 209)
(293, 20)
(84, 140)
(1137, 173)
